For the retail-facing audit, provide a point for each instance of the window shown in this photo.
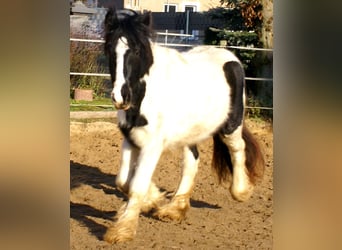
(191, 8)
(132, 4)
(170, 8)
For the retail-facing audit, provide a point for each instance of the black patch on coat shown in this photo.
(136, 88)
(235, 76)
(126, 133)
(194, 151)
(133, 116)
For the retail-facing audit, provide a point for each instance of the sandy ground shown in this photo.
(214, 221)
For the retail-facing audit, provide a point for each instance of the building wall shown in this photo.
(158, 5)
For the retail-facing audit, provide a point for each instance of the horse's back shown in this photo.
(209, 54)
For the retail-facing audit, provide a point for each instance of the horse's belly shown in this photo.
(190, 136)
(191, 128)
(182, 125)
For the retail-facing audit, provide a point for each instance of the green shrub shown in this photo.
(253, 110)
(86, 58)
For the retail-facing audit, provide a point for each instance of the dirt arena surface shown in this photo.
(214, 221)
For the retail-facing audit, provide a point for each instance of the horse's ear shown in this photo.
(146, 18)
(111, 20)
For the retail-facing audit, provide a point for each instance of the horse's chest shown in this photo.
(131, 124)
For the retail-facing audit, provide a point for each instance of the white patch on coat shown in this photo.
(190, 167)
(120, 51)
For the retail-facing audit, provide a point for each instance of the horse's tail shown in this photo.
(222, 163)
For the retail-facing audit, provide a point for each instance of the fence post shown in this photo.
(187, 22)
(165, 39)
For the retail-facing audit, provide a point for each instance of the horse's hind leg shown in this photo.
(239, 150)
(180, 203)
(242, 187)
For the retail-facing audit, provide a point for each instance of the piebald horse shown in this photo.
(166, 98)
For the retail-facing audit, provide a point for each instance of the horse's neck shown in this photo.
(166, 58)
(160, 51)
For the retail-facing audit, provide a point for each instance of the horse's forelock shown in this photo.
(135, 27)
(126, 13)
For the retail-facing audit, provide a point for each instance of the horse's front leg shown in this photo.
(180, 203)
(129, 157)
(126, 225)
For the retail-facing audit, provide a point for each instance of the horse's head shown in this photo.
(127, 45)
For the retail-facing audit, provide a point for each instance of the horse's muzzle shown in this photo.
(120, 105)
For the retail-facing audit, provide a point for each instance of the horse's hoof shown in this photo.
(242, 194)
(176, 210)
(169, 215)
(117, 235)
(123, 230)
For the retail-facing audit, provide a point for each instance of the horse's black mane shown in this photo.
(136, 28)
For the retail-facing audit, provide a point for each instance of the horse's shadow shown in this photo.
(80, 212)
(92, 176)
(202, 204)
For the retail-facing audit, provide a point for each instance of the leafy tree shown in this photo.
(242, 22)
(250, 11)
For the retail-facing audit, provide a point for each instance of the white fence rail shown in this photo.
(108, 75)
(166, 34)
(176, 44)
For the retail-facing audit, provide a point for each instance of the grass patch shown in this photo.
(89, 120)
(98, 104)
